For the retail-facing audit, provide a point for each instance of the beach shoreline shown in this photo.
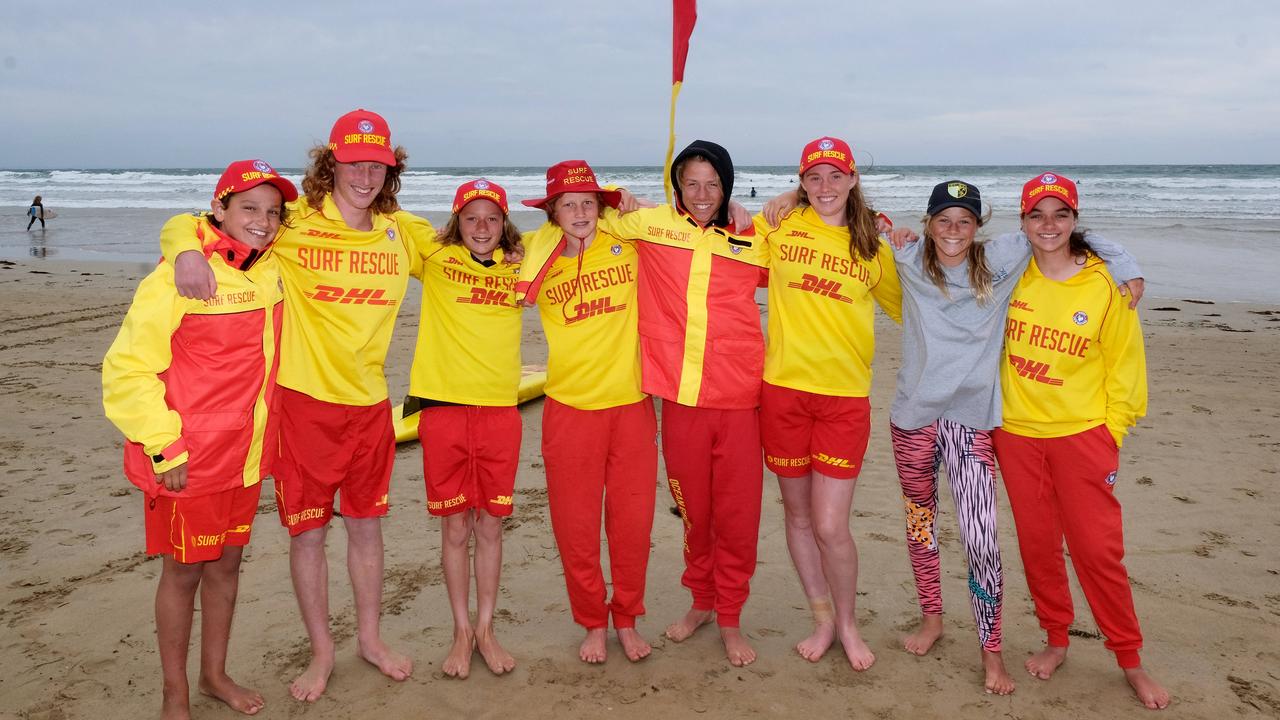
(1197, 480)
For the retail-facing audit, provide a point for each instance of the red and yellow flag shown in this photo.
(683, 17)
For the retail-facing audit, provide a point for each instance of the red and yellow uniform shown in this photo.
(702, 352)
(1074, 381)
(343, 288)
(190, 381)
(598, 429)
(817, 369)
(467, 365)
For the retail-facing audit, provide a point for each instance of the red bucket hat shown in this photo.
(244, 175)
(480, 189)
(829, 150)
(362, 136)
(573, 176)
(1049, 185)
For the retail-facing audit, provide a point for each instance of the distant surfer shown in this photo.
(36, 212)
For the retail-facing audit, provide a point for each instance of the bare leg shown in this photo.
(1150, 693)
(488, 575)
(1044, 663)
(455, 531)
(634, 644)
(217, 605)
(998, 681)
(310, 570)
(685, 627)
(922, 640)
(175, 605)
(798, 519)
(364, 564)
(830, 501)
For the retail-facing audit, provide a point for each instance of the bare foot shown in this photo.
(458, 662)
(592, 649)
(922, 640)
(859, 655)
(389, 662)
(175, 705)
(1044, 663)
(228, 691)
(685, 627)
(1150, 693)
(633, 644)
(998, 681)
(736, 648)
(813, 647)
(498, 659)
(310, 685)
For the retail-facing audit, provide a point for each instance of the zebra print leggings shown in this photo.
(970, 464)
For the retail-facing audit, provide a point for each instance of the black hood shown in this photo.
(723, 164)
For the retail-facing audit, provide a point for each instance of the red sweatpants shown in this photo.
(715, 470)
(1063, 488)
(593, 457)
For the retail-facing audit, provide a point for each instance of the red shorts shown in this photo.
(325, 447)
(803, 430)
(469, 457)
(195, 529)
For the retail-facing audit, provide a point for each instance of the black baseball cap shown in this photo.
(955, 193)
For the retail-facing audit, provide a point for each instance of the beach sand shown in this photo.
(1198, 483)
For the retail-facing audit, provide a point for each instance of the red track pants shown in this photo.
(593, 458)
(715, 470)
(1063, 488)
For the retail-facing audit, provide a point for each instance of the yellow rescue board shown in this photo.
(533, 378)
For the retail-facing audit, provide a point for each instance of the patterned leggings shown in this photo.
(970, 463)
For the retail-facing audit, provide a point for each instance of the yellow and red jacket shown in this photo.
(821, 319)
(701, 343)
(1073, 356)
(344, 288)
(192, 381)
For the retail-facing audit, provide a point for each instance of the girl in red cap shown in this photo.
(598, 427)
(345, 259)
(465, 376)
(827, 264)
(191, 385)
(1073, 382)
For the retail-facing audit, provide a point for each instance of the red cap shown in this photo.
(362, 136)
(1049, 185)
(573, 176)
(480, 190)
(243, 175)
(829, 150)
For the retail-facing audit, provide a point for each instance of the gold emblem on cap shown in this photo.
(957, 190)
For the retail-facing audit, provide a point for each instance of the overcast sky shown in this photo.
(186, 84)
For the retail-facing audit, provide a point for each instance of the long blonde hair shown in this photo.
(979, 271)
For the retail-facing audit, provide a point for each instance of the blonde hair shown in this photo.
(976, 256)
(318, 180)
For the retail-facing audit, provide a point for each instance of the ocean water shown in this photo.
(1134, 191)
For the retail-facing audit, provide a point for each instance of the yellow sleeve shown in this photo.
(178, 236)
(626, 227)
(419, 240)
(888, 292)
(132, 393)
(1125, 361)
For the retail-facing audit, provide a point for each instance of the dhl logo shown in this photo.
(599, 306)
(1033, 370)
(1020, 305)
(486, 296)
(452, 261)
(819, 286)
(832, 460)
(311, 232)
(349, 296)
(800, 234)
(501, 500)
